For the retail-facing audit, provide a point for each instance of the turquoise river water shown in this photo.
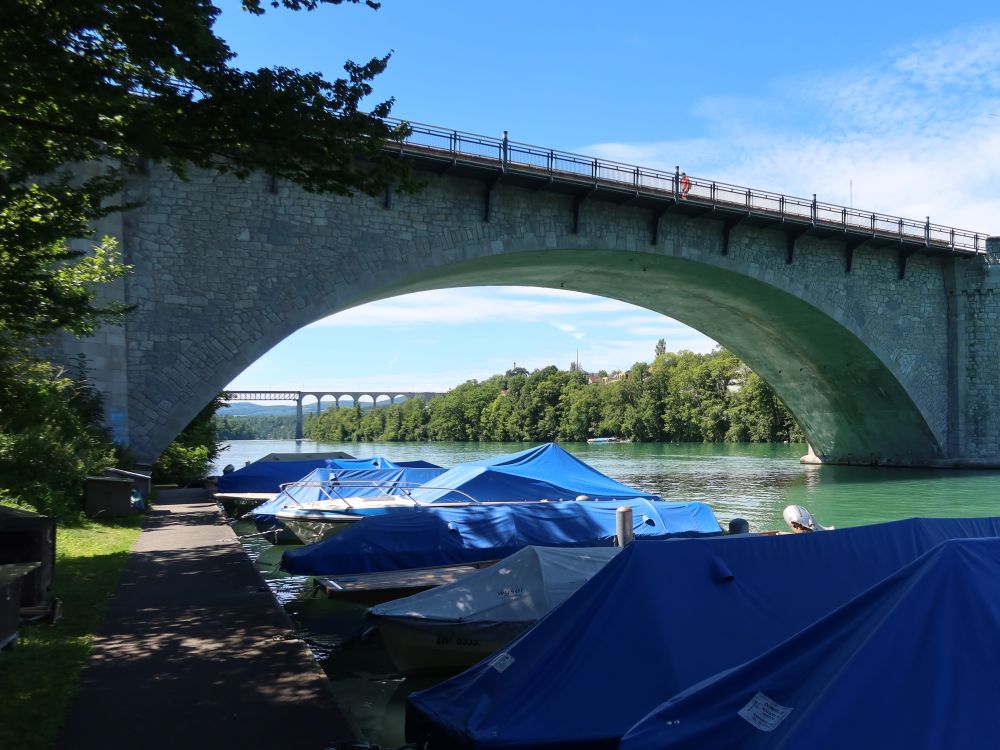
(755, 482)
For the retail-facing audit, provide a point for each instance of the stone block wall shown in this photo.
(224, 270)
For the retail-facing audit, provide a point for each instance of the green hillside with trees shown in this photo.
(680, 397)
(263, 427)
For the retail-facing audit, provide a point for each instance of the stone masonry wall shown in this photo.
(224, 270)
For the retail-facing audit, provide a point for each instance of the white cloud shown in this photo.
(911, 137)
(472, 306)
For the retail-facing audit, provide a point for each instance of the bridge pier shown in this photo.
(298, 418)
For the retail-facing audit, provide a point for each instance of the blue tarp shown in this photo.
(657, 619)
(376, 463)
(911, 663)
(371, 463)
(545, 472)
(268, 476)
(362, 482)
(428, 536)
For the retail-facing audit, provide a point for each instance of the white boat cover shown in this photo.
(518, 589)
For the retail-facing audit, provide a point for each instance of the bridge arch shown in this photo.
(864, 343)
(846, 393)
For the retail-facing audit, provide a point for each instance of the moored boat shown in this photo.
(330, 489)
(257, 482)
(658, 619)
(453, 626)
(432, 536)
(545, 473)
(376, 588)
(924, 638)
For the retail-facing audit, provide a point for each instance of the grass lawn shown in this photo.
(38, 678)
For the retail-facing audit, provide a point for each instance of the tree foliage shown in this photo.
(680, 397)
(110, 83)
(51, 437)
(90, 89)
(258, 427)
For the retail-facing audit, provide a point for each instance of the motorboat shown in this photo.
(429, 536)
(247, 487)
(332, 488)
(545, 473)
(924, 637)
(451, 627)
(660, 618)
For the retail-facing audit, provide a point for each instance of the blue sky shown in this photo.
(886, 106)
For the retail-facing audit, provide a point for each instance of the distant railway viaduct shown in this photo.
(357, 397)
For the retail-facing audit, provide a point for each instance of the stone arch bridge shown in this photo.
(882, 335)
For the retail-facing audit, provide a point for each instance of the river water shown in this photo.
(754, 482)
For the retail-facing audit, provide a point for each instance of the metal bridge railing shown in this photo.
(507, 155)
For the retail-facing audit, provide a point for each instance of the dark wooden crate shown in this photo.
(29, 537)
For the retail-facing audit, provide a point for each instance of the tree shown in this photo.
(109, 83)
(90, 89)
(190, 456)
(661, 347)
(49, 437)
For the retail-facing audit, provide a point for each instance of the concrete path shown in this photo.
(195, 652)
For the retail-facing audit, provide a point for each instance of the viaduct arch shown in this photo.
(391, 397)
(884, 344)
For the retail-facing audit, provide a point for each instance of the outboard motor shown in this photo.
(739, 526)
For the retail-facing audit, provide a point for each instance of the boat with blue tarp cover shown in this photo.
(544, 473)
(268, 475)
(345, 485)
(910, 663)
(658, 619)
(431, 536)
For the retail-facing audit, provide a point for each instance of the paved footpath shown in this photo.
(194, 651)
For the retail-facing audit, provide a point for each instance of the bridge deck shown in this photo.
(494, 160)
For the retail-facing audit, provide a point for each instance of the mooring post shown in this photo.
(623, 526)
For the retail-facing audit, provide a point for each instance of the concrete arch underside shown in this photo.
(847, 401)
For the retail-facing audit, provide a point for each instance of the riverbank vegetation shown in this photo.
(38, 678)
(679, 397)
(263, 427)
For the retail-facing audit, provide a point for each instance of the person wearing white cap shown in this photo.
(800, 519)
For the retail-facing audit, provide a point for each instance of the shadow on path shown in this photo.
(195, 652)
